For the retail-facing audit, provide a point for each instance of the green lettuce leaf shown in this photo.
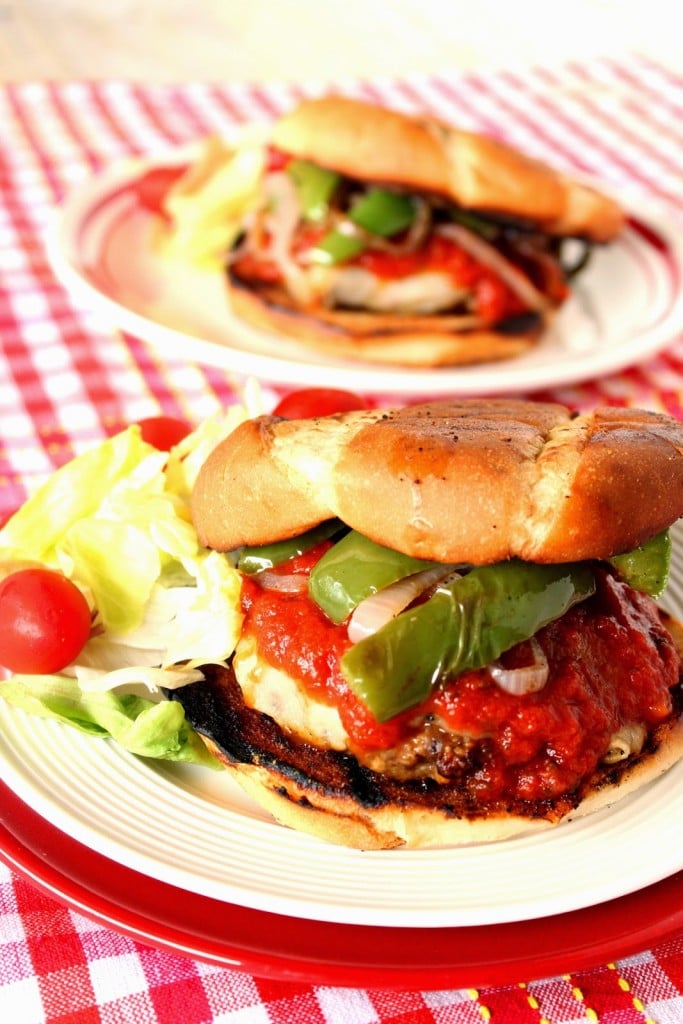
(116, 521)
(74, 492)
(147, 728)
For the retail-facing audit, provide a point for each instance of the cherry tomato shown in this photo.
(277, 159)
(5, 517)
(163, 431)
(44, 621)
(152, 187)
(309, 402)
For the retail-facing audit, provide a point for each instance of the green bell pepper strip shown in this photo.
(355, 568)
(315, 187)
(467, 624)
(266, 556)
(377, 211)
(336, 247)
(383, 212)
(646, 568)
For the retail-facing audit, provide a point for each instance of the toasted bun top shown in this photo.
(472, 480)
(373, 143)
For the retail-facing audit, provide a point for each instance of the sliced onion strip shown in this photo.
(286, 583)
(487, 254)
(281, 220)
(378, 609)
(527, 678)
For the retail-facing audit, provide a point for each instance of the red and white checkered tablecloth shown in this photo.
(67, 379)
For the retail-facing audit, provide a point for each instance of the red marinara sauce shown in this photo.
(492, 298)
(611, 660)
(612, 663)
(295, 635)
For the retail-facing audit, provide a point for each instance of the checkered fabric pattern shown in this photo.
(58, 967)
(67, 380)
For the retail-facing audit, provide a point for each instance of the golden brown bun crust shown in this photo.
(329, 794)
(471, 480)
(420, 341)
(373, 143)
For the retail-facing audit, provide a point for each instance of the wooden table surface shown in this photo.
(232, 40)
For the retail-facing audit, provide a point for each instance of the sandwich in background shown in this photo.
(372, 235)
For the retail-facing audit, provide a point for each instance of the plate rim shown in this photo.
(315, 952)
(507, 377)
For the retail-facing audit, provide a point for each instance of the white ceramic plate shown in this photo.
(627, 305)
(194, 829)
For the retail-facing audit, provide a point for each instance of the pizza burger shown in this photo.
(449, 625)
(378, 236)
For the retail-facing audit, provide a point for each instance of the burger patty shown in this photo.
(359, 323)
(240, 735)
(473, 750)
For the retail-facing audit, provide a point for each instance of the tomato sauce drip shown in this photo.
(612, 663)
(295, 635)
(493, 300)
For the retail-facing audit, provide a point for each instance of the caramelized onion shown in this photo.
(527, 678)
(547, 271)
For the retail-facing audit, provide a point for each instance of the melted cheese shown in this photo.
(420, 293)
(273, 692)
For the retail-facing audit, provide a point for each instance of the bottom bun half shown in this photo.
(330, 794)
(414, 341)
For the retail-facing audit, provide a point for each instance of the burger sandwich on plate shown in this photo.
(407, 627)
(366, 233)
(450, 632)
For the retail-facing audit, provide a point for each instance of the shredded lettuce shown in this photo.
(116, 521)
(74, 492)
(207, 205)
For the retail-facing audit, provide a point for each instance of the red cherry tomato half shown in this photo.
(163, 431)
(152, 187)
(309, 402)
(44, 621)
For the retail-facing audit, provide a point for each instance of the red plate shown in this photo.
(315, 952)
